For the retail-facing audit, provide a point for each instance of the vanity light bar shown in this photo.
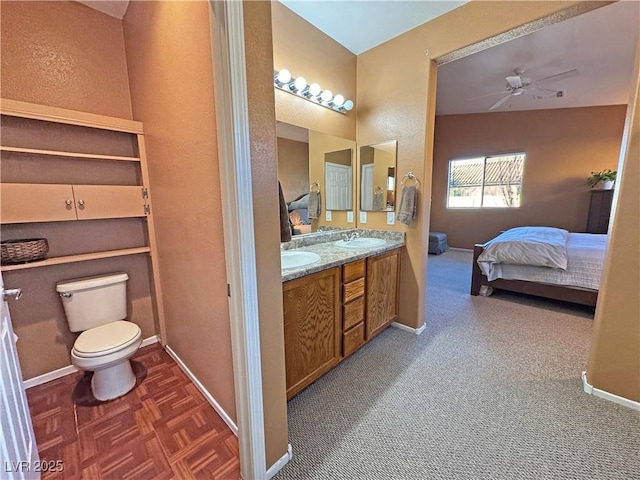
(298, 86)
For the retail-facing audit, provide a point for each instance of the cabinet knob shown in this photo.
(68, 203)
(81, 202)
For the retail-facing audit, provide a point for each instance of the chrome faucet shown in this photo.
(347, 237)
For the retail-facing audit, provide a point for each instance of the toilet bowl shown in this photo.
(106, 350)
(96, 306)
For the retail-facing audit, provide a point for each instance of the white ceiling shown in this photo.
(361, 25)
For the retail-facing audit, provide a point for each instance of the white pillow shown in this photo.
(539, 246)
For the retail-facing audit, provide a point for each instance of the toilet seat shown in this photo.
(106, 339)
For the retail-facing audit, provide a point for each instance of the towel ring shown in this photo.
(409, 176)
(315, 186)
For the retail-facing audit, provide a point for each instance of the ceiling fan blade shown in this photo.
(500, 102)
(488, 95)
(559, 76)
(545, 89)
(514, 81)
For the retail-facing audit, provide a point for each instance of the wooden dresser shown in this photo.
(599, 211)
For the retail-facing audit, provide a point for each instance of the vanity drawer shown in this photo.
(353, 339)
(353, 290)
(352, 271)
(353, 313)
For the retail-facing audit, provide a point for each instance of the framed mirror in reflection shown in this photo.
(303, 156)
(378, 177)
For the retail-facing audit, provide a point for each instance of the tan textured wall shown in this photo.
(67, 55)
(262, 129)
(49, 52)
(293, 168)
(305, 51)
(172, 93)
(563, 147)
(387, 112)
(319, 144)
(614, 361)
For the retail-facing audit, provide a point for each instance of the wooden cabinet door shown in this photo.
(383, 274)
(312, 327)
(33, 202)
(108, 201)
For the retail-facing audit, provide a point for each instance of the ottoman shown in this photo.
(438, 242)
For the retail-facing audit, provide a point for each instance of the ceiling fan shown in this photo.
(518, 85)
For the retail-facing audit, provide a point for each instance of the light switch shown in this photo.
(363, 217)
(391, 218)
(327, 215)
(349, 217)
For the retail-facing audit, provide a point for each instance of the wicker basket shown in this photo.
(20, 251)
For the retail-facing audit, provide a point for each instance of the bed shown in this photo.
(558, 264)
(299, 215)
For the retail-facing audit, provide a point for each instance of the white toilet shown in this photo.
(97, 307)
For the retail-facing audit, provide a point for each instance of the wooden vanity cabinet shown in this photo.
(383, 280)
(312, 327)
(330, 314)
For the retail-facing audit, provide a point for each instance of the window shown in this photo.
(486, 182)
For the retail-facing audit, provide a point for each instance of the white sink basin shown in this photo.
(361, 243)
(298, 259)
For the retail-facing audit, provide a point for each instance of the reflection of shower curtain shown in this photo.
(378, 198)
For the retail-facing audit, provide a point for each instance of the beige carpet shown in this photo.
(491, 390)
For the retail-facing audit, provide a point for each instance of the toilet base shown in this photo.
(113, 382)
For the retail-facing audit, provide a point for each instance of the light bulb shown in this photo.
(348, 105)
(284, 76)
(300, 84)
(338, 100)
(326, 96)
(315, 89)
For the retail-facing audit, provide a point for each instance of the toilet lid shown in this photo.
(106, 339)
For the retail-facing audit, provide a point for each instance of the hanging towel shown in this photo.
(285, 226)
(408, 200)
(314, 205)
(377, 201)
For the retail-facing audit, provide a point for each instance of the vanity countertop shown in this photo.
(332, 255)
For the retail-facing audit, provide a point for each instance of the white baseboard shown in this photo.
(47, 377)
(417, 331)
(150, 341)
(591, 390)
(69, 369)
(282, 461)
(216, 406)
(461, 249)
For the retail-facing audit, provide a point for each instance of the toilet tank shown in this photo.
(93, 301)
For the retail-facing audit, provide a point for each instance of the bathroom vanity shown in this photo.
(334, 306)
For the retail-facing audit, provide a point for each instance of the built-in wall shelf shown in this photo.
(83, 257)
(55, 153)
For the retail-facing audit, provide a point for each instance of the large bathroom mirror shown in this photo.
(378, 177)
(303, 156)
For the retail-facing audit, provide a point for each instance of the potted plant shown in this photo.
(603, 179)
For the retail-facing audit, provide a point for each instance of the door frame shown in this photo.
(232, 120)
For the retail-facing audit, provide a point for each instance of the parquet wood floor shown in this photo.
(162, 429)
